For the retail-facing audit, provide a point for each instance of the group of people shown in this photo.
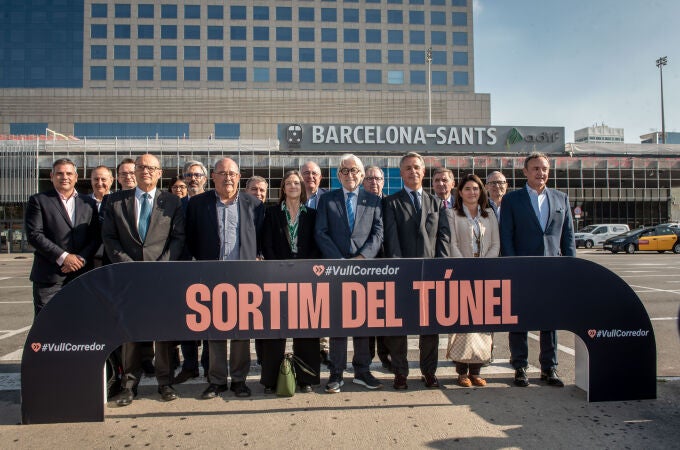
(139, 222)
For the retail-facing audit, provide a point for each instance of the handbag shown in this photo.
(286, 380)
(470, 347)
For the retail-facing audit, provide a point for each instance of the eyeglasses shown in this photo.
(310, 172)
(497, 183)
(376, 179)
(178, 188)
(126, 174)
(194, 175)
(229, 174)
(353, 170)
(142, 168)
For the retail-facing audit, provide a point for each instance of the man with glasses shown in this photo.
(195, 176)
(144, 224)
(497, 186)
(126, 174)
(442, 185)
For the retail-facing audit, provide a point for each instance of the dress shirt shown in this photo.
(229, 228)
(541, 205)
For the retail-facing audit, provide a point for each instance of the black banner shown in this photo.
(61, 371)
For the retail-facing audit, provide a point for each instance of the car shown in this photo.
(593, 235)
(659, 238)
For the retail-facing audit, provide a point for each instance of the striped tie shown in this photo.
(350, 210)
(144, 216)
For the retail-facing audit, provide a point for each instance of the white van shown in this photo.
(593, 235)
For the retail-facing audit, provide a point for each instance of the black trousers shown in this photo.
(307, 349)
(133, 353)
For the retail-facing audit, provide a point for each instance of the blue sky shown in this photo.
(577, 63)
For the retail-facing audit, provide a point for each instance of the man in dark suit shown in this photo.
(63, 228)
(349, 225)
(536, 221)
(144, 224)
(415, 227)
(496, 186)
(224, 225)
(442, 185)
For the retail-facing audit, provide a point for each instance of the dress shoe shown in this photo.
(240, 389)
(477, 381)
(430, 380)
(213, 390)
(168, 394)
(521, 378)
(551, 377)
(185, 375)
(464, 381)
(305, 388)
(400, 382)
(126, 396)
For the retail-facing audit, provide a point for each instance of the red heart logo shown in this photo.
(318, 270)
(592, 333)
(36, 346)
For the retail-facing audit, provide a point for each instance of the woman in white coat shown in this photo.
(474, 234)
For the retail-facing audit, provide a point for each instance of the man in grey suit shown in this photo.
(536, 221)
(224, 225)
(144, 224)
(349, 225)
(416, 226)
(63, 228)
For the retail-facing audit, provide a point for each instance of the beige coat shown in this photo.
(462, 235)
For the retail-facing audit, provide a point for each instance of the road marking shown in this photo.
(14, 287)
(4, 278)
(9, 303)
(649, 289)
(567, 350)
(14, 356)
(10, 333)
(664, 318)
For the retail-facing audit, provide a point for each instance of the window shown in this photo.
(350, 15)
(416, 17)
(395, 37)
(121, 52)
(227, 130)
(372, 16)
(215, 12)
(306, 75)
(97, 73)
(260, 33)
(438, 37)
(168, 73)
(238, 33)
(192, 53)
(306, 34)
(416, 2)
(192, 32)
(261, 75)
(437, 18)
(215, 73)
(438, 78)
(460, 58)
(329, 35)
(168, 52)
(99, 10)
(329, 15)
(373, 36)
(168, 31)
(169, 12)
(460, 38)
(192, 74)
(284, 75)
(306, 54)
(122, 11)
(284, 54)
(350, 35)
(237, 13)
(351, 55)
(216, 32)
(261, 54)
(329, 55)
(329, 75)
(374, 76)
(98, 52)
(395, 56)
(145, 31)
(417, 77)
(458, 2)
(460, 79)
(395, 16)
(237, 74)
(121, 31)
(144, 73)
(145, 11)
(284, 13)
(395, 77)
(238, 53)
(439, 58)
(351, 76)
(121, 73)
(438, 2)
(306, 14)
(373, 56)
(284, 34)
(417, 57)
(145, 52)
(215, 53)
(192, 11)
(416, 37)
(261, 12)
(459, 19)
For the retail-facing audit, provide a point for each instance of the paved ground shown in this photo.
(498, 416)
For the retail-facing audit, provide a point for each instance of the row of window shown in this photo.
(281, 75)
(239, 12)
(141, 130)
(281, 34)
(304, 54)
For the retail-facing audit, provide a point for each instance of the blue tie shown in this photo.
(350, 210)
(144, 216)
(416, 200)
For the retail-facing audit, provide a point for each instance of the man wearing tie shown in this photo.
(442, 185)
(536, 221)
(349, 225)
(416, 226)
(144, 224)
(63, 228)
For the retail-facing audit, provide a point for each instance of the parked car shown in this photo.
(659, 238)
(593, 235)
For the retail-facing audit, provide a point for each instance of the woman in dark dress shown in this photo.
(288, 233)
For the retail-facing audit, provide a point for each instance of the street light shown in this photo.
(428, 60)
(660, 63)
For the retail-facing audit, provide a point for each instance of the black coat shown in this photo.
(275, 235)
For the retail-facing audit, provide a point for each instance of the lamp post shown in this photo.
(660, 63)
(428, 60)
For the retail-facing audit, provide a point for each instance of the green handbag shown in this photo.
(285, 383)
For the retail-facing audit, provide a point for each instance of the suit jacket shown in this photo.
(462, 235)
(333, 235)
(319, 193)
(275, 235)
(164, 238)
(521, 233)
(409, 235)
(494, 207)
(51, 233)
(203, 237)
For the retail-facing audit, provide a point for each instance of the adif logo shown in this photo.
(294, 135)
(514, 136)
